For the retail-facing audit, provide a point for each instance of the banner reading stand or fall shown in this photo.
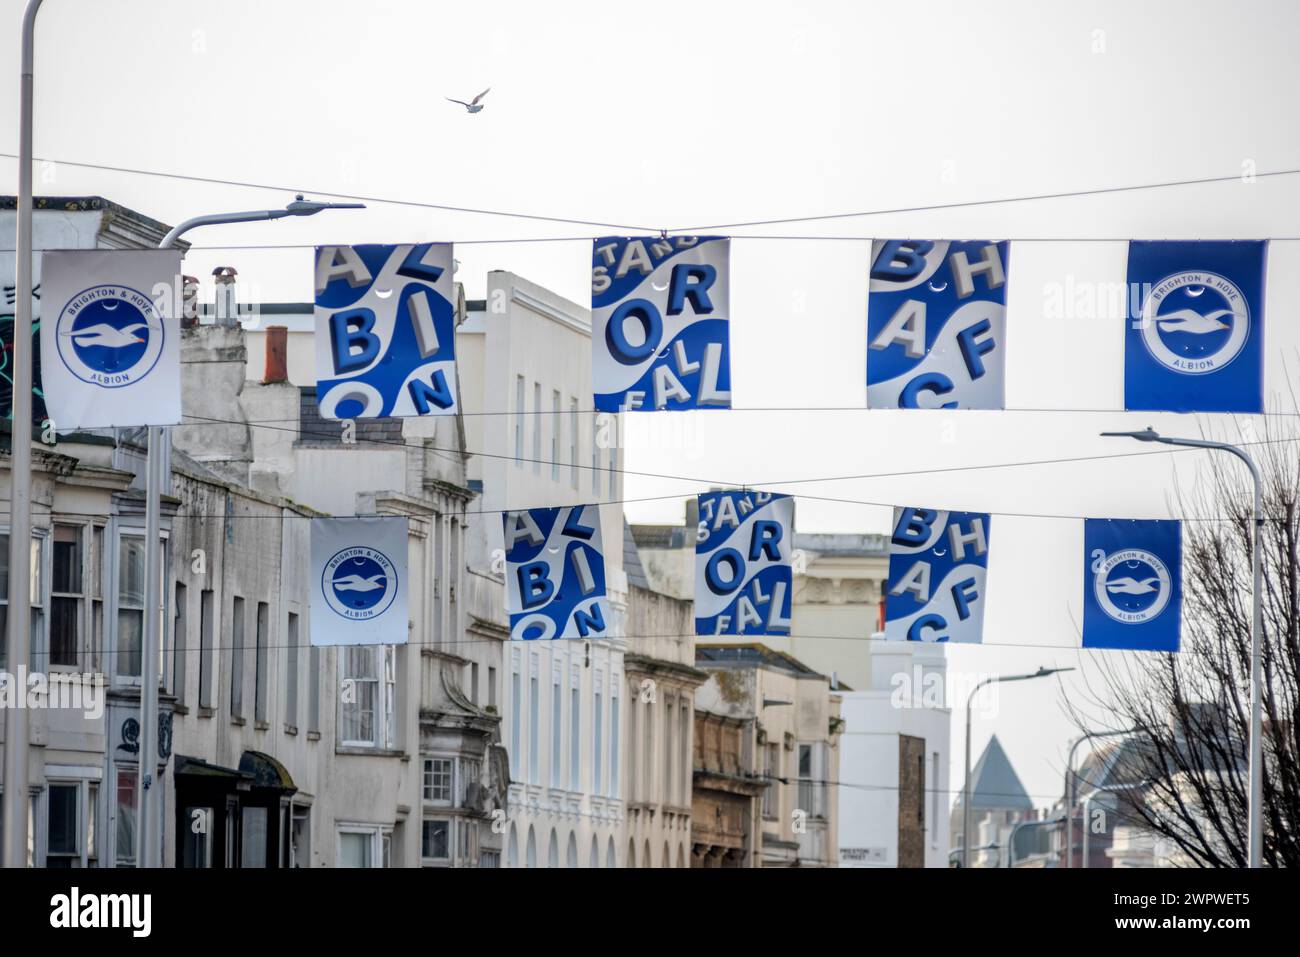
(660, 323)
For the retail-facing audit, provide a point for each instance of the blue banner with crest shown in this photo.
(1195, 335)
(1132, 584)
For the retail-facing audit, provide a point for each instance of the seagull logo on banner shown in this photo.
(110, 337)
(1131, 586)
(474, 105)
(357, 583)
(1189, 320)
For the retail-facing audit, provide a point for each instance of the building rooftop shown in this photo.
(752, 655)
(995, 786)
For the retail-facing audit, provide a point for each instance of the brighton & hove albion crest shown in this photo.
(109, 335)
(1131, 586)
(359, 583)
(1195, 322)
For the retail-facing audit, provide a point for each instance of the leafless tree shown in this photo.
(1191, 711)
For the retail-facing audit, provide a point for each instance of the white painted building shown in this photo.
(895, 695)
(525, 376)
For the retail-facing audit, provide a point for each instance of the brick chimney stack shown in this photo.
(277, 355)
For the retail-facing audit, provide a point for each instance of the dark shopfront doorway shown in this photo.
(234, 818)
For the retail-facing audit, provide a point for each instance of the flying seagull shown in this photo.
(102, 334)
(1189, 320)
(1131, 586)
(474, 105)
(357, 583)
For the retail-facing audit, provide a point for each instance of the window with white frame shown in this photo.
(435, 840)
(812, 789)
(575, 730)
(37, 623)
(516, 708)
(670, 759)
(365, 845)
(367, 701)
(771, 771)
(538, 422)
(471, 769)
(534, 721)
(556, 424)
(519, 421)
(573, 442)
(595, 453)
(613, 455)
(71, 823)
(615, 718)
(438, 780)
(684, 746)
(130, 605)
(68, 574)
(557, 724)
(598, 735)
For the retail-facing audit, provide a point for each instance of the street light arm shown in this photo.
(299, 207)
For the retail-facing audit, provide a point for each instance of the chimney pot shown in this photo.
(277, 355)
(227, 309)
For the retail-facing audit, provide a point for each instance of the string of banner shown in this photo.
(660, 334)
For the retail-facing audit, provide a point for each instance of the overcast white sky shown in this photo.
(685, 114)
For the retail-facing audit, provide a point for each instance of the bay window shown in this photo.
(368, 701)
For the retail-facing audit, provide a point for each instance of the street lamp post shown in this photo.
(966, 795)
(20, 464)
(1072, 786)
(1254, 829)
(1087, 802)
(157, 468)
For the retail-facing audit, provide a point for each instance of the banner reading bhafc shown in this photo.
(1132, 584)
(1195, 336)
(938, 564)
(660, 309)
(936, 324)
(110, 337)
(743, 577)
(385, 331)
(555, 573)
(358, 568)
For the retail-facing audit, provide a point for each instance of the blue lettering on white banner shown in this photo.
(938, 565)
(555, 573)
(743, 577)
(936, 324)
(385, 331)
(660, 312)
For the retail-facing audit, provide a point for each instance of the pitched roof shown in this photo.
(994, 782)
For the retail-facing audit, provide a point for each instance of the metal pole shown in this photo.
(20, 467)
(157, 476)
(1255, 828)
(1254, 810)
(1072, 786)
(147, 827)
(965, 791)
